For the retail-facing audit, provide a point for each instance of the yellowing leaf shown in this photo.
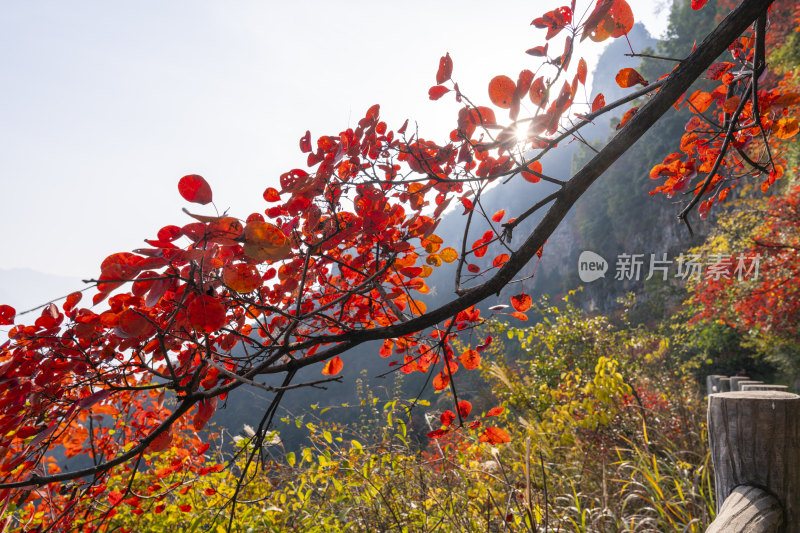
(241, 277)
(785, 128)
(448, 255)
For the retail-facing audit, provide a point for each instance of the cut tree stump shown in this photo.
(754, 438)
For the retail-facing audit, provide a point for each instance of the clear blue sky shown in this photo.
(105, 105)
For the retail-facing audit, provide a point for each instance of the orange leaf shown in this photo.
(500, 260)
(521, 302)
(627, 116)
(195, 189)
(265, 241)
(785, 128)
(538, 92)
(519, 316)
(730, 104)
(494, 435)
(333, 367)
(536, 166)
(629, 77)
(241, 277)
(498, 216)
(206, 313)
(441, 380)
(437, 91)
(494, 411)
(582, 71)
(501, 91)
(700, 101)
(471, 359)
(599, 102)
(445, 69)
(7, 314)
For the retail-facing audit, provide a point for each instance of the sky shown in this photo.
(105, 105)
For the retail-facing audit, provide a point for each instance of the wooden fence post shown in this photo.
(762, 386)
(735, 382)
(754, 438)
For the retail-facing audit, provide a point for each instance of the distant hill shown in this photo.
(24, 288)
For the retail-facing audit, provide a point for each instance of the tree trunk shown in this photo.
(754, 438)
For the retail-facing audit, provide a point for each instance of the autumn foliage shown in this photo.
(338, 257)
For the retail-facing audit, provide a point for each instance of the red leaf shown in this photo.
(501, 91)
(271, 194)
(599, 102)
(521, 302)
(333, 367)
(445, 69)
(437, 91)
(205, 410)
(538, 51)
(554, 21)
(498, 216)
(7, 314)
(471, 359)
(464, 408)
(698, 4)
(486, 343)
(195, 189)
(206, 313)
(582, 71)
(716, 70)
(447, 418)
(494, 435)
(438, 433)
(305, 142)
(494, 411)
(473, 268)
(629, 77)
(135, 323)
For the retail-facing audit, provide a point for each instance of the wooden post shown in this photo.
(754, 438)
(741, 384)
(724, 384)
(762, 386)
(735, 382)
(712, 381)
